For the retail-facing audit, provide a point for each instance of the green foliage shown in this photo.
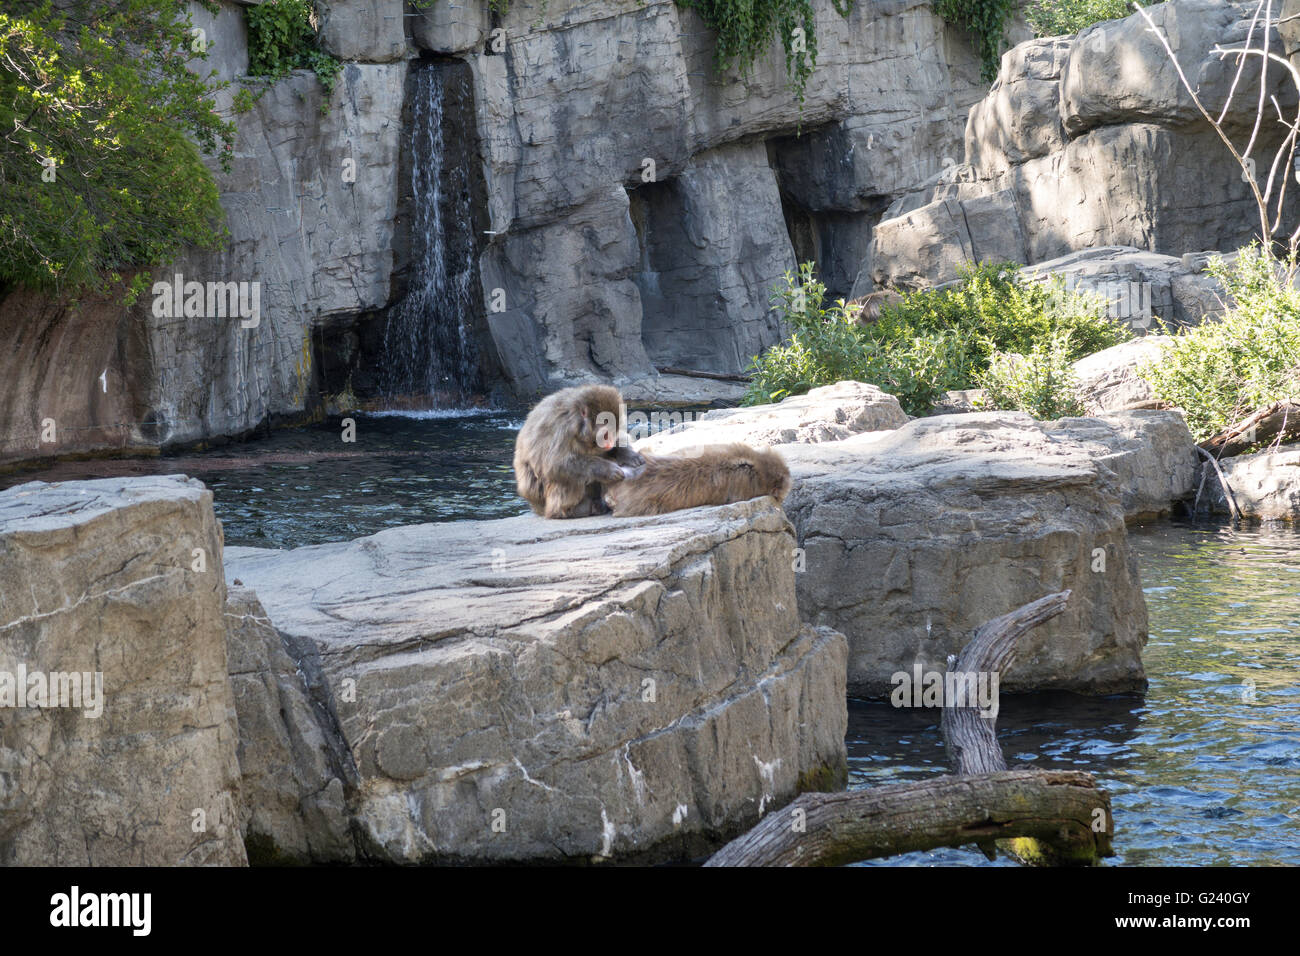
(1220, 372)
(985, 19)
(282, 37)
(745, 30)
(1050, 18)
(997, 313)
(1041, 383)
(931, 342)
(99, 120)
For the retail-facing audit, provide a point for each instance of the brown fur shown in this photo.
(561, 466)
(869, 305)
(714, 475)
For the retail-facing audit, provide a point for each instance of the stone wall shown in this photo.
(1091, 140)
(605, 269)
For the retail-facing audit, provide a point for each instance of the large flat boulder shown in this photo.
(1140, 287)
(914, 537)
(828, 413)
(531, 690)
(1151, 453)
(120, 578)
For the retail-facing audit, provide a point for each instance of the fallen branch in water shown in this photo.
(692, 373)
(1042, 816)
(1052, 807)
(1223, 483)
(1278, 422)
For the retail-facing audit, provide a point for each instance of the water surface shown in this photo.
(1204, 769)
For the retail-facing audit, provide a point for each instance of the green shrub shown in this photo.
(931, 342)
(101, 127)
(282, 37)
(998, 313)
(1049, 18)
(1041, 383)
(1220, 372)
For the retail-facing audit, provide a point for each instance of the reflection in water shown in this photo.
(1203, 770)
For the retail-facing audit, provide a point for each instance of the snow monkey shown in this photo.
(710, 475)
(571, 445)
(870, 305)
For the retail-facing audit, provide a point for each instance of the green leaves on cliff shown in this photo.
(746, 28)
(282, 37)
(984, 19)
(1053, 17)
(99, 121)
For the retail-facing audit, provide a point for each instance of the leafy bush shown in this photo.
(931, 342)
(282, 37)
(99, 121)
(1220, 372)
(985, 20)
(745, 30)
(1041, 383)
(998, 313)
(1050, 18)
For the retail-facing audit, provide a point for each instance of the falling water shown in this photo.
(429, 352)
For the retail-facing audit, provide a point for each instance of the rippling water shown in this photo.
(1204, 769)
(306, 486)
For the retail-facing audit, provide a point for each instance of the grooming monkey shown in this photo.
(870, 305)
(570, 447)
(712, 475)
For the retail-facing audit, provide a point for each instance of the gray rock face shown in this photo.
(1265, 485)
(373, 30)
(571, 100)
(103, 577)
(450, 27)
(1141, 287)
(586, 689)
(1109, 379)
(294, 769)
(588, 95)
(915, 537)
(824, 414)
(1090, 141)
(710, 256)
(325, 186)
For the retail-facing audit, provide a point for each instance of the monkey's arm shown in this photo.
(591, 469)
(630, 462)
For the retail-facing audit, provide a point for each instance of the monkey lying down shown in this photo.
(572, 460)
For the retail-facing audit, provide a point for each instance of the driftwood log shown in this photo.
(1039, 816)
(1279, 421)
(693, 373)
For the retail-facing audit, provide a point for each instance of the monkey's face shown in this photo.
(600, 425)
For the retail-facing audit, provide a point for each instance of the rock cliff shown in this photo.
(628, 208)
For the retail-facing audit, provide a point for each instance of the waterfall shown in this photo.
(429, 353)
